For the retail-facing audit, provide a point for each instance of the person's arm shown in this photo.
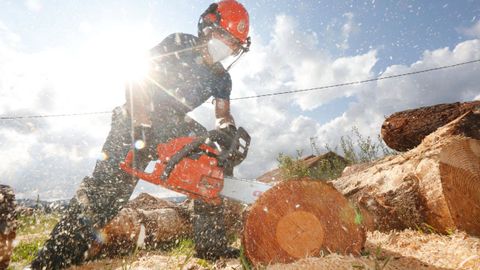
(224, 118)
(139, 104)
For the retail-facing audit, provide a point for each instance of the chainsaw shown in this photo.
(195, 167)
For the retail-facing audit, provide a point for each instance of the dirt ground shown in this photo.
(396, 250)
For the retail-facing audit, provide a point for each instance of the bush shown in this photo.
(354, 148)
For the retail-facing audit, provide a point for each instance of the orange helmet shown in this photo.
(230, 16)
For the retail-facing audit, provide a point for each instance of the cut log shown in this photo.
(145, 221)
(437, 183)
(405, 130)
(7, 224)
(296, 219)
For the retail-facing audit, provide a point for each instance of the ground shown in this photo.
(409, 249)
(396, 250)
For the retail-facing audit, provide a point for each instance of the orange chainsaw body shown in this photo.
(198, 175)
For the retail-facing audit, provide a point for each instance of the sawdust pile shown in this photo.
(404, 250)
(393, 251)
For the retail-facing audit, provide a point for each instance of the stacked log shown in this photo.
(405, 130)
(7, 224)
(436, 183)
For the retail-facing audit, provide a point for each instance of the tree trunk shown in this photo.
(7, 224)
(405, 130)
(437, 183)
(296, 219)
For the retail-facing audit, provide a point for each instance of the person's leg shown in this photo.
(97, 201)
(209, 229)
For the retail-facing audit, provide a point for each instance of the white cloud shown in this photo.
(473, 31)
(33, 5)
(293, 59)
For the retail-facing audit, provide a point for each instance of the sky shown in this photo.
(69, 57)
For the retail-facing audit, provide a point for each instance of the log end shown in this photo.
(298, 219)
(460, 174)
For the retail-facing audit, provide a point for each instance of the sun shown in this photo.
(91, 75)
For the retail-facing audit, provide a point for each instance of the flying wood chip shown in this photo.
(298, 219)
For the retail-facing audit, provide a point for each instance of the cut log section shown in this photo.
(297, 219)
(405, 130)
(437, 183)
(7, 224)
(145, 221)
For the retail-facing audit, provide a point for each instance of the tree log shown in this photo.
(296, 219)
(437, 183)
(145, 221)
(405, 130)
(7, 224)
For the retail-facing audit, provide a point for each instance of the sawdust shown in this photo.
(408, 249)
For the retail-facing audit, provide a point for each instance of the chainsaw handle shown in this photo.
(175, 159)
(237, 145)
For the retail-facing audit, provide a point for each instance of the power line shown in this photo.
(269, 94)
(50, 115)
(357, 82)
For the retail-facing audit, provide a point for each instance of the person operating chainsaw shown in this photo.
(185, 72)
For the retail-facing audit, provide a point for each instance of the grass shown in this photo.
(26, 251)
(33, 231)
(36, 223)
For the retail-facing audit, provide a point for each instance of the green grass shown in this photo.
(26, 251)
(355, 149)
(36, 223)
(184, 247)
(33, 231)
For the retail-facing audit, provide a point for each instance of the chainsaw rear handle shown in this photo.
(185, 152)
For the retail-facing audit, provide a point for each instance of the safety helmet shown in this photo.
(229, 17)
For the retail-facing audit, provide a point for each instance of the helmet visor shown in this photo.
(235, 44)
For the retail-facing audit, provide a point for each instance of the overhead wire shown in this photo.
(268, 94)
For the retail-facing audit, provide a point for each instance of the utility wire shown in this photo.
(271, 94)
(357, 82)
(50, 115)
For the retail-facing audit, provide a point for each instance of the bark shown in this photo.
(151, 222)
(296, 219)
(405, 130)
(144, 222)
(7, 224)
(437, 183)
